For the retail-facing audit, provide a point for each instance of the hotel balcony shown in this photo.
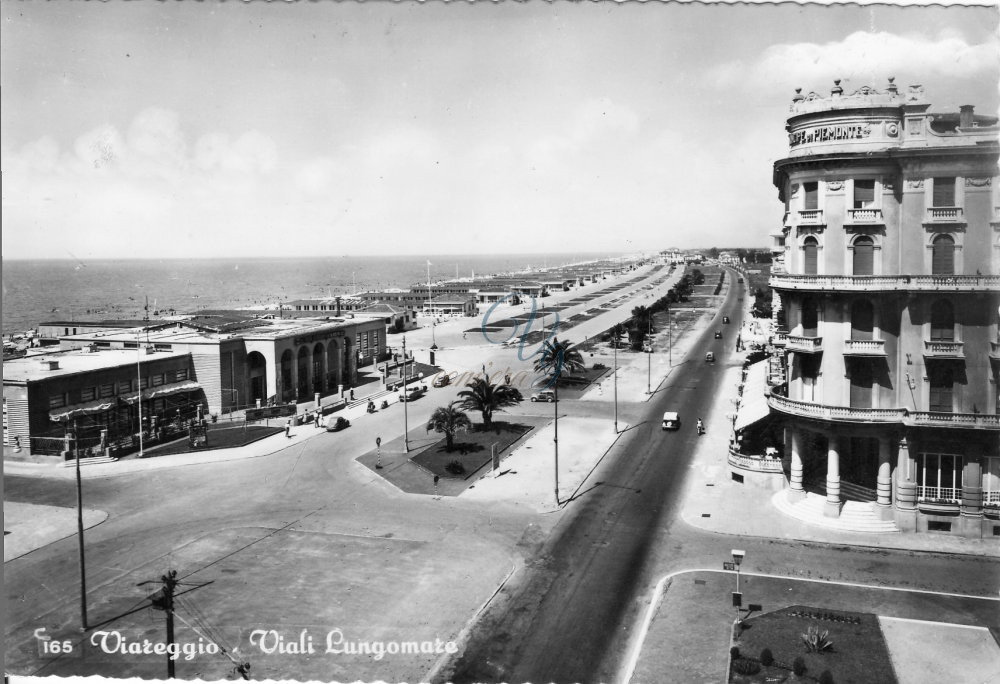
(779, 339)
(810, 217)
(804, 344)
(945, 215)
(864, 347)
(864, 217)
(886, 283)
(848, 414)
(943, 350)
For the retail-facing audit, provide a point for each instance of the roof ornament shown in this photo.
(837, 90)
(893, 88)
(798, 95)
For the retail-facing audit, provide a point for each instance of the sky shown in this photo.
(162, 130)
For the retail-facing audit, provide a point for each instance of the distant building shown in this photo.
(888, 276)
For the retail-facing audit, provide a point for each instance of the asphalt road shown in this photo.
(570, 615)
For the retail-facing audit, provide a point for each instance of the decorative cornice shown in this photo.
(979, 182)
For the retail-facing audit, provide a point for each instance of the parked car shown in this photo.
(718, 334)
(545, 395)
(338, 425)
(411, 393)
(671, 420)
(709, 357)
(441, 380)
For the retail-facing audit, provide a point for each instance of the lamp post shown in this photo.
(79, 528)
(555, 439)
(138, 380)
(738, 556)
(433, 335)
(649, 357)
(406, 419)
(614, 341)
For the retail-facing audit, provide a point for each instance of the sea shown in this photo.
(41, 290)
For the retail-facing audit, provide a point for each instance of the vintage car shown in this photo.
(545, 395)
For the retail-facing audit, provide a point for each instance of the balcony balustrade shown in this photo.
(804, 344)
(943, 350)
(810, 217)
(757, 464)
(779, 339)
(847, 414)
(945, 215)
(865, 217)
(864, 347)
(891, 283)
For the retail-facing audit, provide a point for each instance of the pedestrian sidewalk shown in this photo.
(714, 502)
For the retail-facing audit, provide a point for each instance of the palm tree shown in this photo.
(556, 357)
(449, 420)
(486, 398)
(642, 318)
(553, 358)
(618, 331)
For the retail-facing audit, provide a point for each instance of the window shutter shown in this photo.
(811, 195)
(944, 192)
(943, 256)
(862, 321)
(864, 257)
(864, 194)
(861, 385)
(810, 258)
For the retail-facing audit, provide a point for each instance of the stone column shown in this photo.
(971, 520)
(832, 508)
(884, 486)
(906, 488)
(796, 491)
(295, 376)
(320, 363)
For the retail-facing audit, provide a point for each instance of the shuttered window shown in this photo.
(810, 254)
(811, 199)
(944, 192)
(943, 256)
(810, 318)
(864, 256)
(864, 194)
(942, 321)
(861, 384)
(941, 388)
(862, 320)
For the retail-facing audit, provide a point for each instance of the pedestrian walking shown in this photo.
(319, 419)
(352, 395)
(288, 428)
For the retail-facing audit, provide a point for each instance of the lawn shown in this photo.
(219, 437)
(471, 449)
(858, 654)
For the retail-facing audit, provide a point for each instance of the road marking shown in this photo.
(628, 667)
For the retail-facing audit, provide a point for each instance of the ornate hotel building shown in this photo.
(889, 289)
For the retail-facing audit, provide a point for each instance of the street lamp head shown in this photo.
(738, 555)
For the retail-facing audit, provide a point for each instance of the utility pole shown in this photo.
(555, 440)
(406, 419)
(614, 341)
(79, 528)
(164, 600)
(649, 357)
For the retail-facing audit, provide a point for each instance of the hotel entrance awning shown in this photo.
(753, 402)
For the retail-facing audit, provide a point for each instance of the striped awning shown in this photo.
(753, 402)
(78, 410)
(163, 391)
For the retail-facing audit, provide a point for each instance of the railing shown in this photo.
(932, 494)
(801, 343)
(864, 347)
(779, 339)
(950, 350)
(903, 283)
(811, 217)
(945, 214)
(864, 216)
(759, 464)
(808, 409)
(991, 497)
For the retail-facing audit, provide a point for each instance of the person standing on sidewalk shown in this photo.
(288, 428)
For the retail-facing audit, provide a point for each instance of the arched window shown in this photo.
(810, 318)
(862, 320)
(864, 256)
(942, 321)
(810, 250)
(943, 255)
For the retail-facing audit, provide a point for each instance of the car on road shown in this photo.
(725, 319)
(441, 380)
(718, 334)
(709, 357)
(412, 393)
(340, 424)
(671, 420)
(545, 395)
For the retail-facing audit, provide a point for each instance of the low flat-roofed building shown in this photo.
(463, 305)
